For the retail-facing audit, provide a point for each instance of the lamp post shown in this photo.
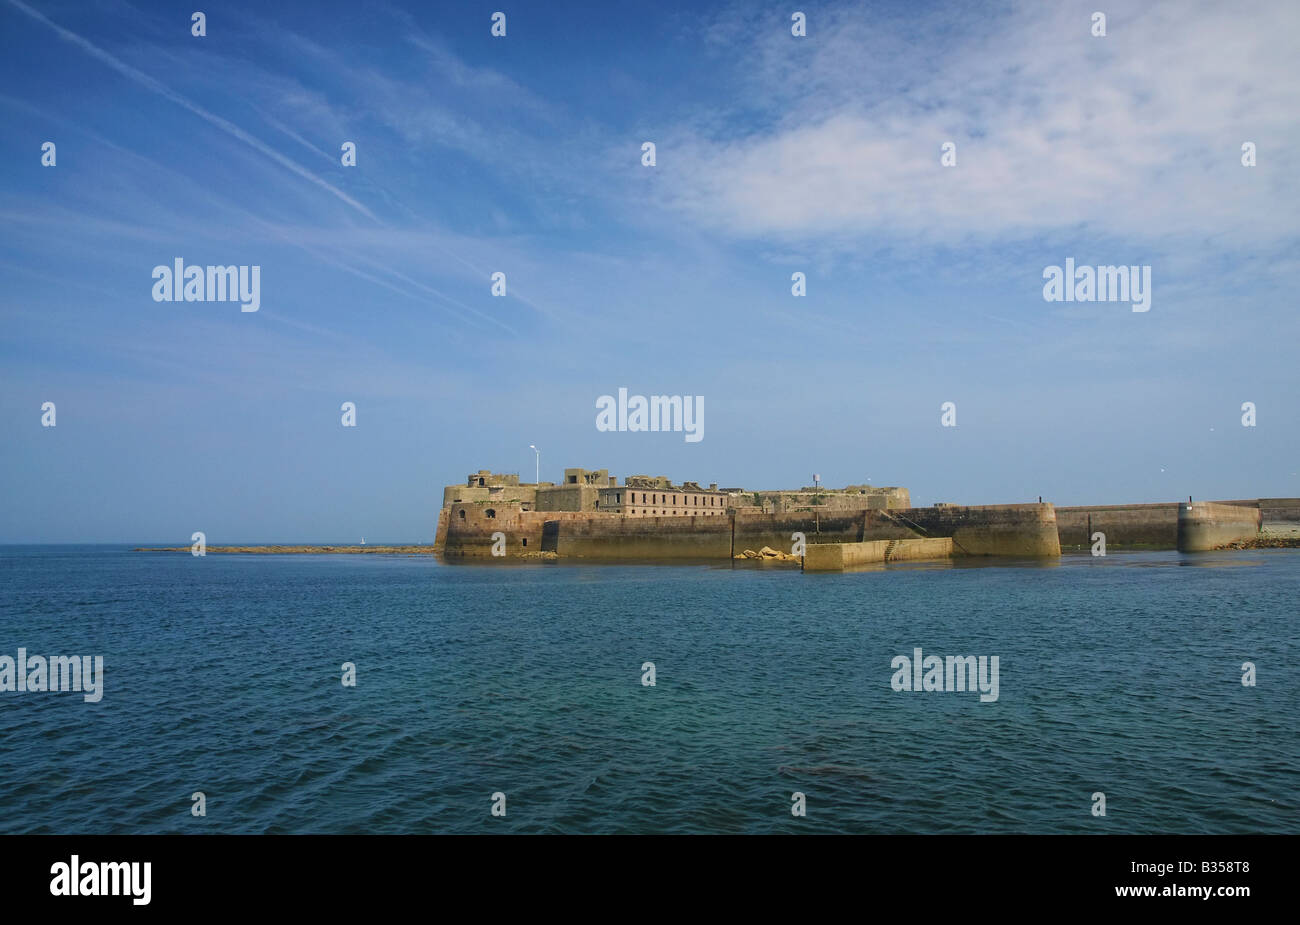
(537, 476)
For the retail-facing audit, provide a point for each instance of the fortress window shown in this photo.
(490, 512)
(481, 483)
(525, 541)
(462, 514)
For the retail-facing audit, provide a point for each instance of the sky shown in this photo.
(522, 154)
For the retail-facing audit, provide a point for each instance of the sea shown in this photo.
(516, 698)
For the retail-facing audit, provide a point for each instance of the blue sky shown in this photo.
(522, 154)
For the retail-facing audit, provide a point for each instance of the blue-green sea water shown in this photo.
(222, 675)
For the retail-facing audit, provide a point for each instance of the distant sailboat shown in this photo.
(363, 541)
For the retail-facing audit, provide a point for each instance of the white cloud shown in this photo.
(1137, 133)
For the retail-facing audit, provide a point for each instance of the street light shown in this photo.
(537, 477)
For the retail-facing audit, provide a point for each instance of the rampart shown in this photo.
(465, 529)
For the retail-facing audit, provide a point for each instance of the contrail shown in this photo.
(162, 90)
(235, 131)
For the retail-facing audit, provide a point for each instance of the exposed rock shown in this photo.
(767, 553)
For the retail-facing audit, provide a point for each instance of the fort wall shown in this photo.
(469, 529)
(615, 537)
(465, 529)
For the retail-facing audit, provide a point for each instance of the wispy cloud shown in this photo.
(166, 92)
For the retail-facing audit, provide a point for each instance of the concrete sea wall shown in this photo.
(835, 557)
(1138, 525)
(1153, 526)
(990, 530)
(1206, 525)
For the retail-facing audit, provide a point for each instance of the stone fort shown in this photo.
(589, 515)
(598, 492)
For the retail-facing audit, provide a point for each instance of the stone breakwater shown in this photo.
(1205, 525)
(1156, 526)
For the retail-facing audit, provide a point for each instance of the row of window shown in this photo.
(714, 500)
(492, 513)
(670, 513)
